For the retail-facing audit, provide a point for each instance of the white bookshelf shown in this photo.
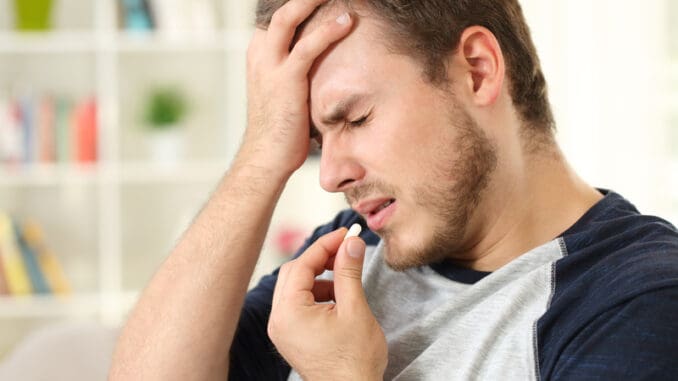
(112, 222)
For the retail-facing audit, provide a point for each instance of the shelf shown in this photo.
(130, 173)
(47, 42)
(235, 40)
(58, 42)
(78, 305)
(186, 172)
(47, 174)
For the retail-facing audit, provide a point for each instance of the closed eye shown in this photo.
(358, 122)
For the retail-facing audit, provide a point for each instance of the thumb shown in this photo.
(348, 271)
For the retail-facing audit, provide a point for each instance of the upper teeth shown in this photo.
(384, 205)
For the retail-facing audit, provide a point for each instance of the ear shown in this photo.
(483, 65)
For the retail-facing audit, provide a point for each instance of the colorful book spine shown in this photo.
(4, 288)
(136, 15)
(86, 126)
(15, 271)
(63, 129)
(28, 128)
(45, 125)
(48, 262)
(6, 145)
(12, 135)
(35, 274)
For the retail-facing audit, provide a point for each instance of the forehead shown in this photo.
(354, 63)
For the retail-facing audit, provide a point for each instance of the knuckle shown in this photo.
(350, 273)
(303, 51)
(281, 17)
(284, 269)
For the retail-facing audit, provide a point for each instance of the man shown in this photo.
(485, 257)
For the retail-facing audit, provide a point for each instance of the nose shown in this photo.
(339, 167)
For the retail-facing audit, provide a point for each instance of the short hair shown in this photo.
(429, 30)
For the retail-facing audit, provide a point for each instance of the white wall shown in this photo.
(607, 65)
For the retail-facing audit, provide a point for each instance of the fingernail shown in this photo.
(355, 248)
(343, 18)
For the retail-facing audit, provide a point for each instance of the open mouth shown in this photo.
(382, 207)
(378, 218)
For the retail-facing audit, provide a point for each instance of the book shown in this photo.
(45, 127)
(136, 15)
(4, 289)
(26, 117)
(5, 121)
(86, 131)
(11, 146)
(63, 126)
(179, 19)
(35, 274)
(15, 271)
(49, 264)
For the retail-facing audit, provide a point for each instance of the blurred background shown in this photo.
(118, 117)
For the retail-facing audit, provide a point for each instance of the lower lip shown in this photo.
(378, 220)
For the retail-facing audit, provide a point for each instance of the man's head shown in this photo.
(421, 136)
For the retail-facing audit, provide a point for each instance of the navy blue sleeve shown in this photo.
(253, 356)
(612, 315)
(636, 340)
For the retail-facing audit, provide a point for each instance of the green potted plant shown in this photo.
(165, 110)
(33, 15)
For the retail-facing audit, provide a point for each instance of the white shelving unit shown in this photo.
(111, 223)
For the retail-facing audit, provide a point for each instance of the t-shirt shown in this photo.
(600, 301)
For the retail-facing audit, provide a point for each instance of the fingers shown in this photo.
(285, 21)
(348, 271)
(313, 45)
(312, 262)
(296, 278)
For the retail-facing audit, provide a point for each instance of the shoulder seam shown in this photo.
(535, 330)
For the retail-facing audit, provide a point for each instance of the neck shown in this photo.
(526, 206)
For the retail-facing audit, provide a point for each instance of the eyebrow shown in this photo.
(338, 112)
(341, 109)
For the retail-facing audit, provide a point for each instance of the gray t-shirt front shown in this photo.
(439, 329)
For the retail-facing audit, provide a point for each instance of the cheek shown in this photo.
(393, 147)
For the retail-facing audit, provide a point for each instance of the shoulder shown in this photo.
(618, 251)
(613, 294)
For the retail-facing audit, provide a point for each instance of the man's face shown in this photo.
(406, 154)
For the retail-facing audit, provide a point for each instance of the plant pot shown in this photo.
(166, 145)
(33, 15)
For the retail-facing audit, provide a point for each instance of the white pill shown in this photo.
(354, 231)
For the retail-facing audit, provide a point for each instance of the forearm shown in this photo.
(184, 322)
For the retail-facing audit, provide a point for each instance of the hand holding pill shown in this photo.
(307, 331)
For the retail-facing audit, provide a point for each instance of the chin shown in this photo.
(401, 256)
(416, 248)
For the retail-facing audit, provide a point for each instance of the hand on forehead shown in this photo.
(325, 11)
